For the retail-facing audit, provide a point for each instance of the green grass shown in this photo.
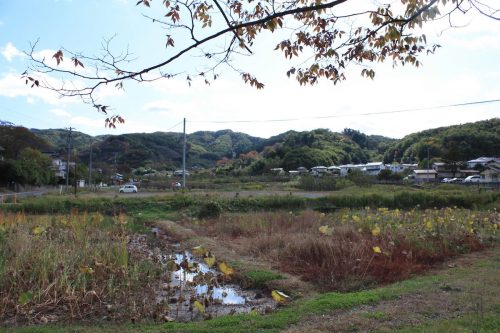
(259, 278)
(486, 323)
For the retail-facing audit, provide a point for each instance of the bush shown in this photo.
(325, 183)
(210, 210)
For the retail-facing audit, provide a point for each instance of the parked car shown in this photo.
(472, 179)
(446, 180)
(128, 189)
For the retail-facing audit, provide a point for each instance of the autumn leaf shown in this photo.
(326, 230)
(38, 230)
(58, 56)
(279, 297)
(376, 249)
(199, 306)
(86, 270)
(376, 231)
(172, 266)
(209, 260)
(199, 250)
(226, 269)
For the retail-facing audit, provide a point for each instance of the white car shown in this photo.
(472, 179)
(128, 189)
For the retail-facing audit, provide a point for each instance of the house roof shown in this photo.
(424, 171)
(493, 166)
(484, 160)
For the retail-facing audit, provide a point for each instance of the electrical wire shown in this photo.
(347, 114)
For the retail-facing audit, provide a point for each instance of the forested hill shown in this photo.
(58, 138)
(164, 150)
(451, 143)
(14, 139)
(322, 147)
(288, 150)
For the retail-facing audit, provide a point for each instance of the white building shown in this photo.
(482, 161)
(318, 170)
(395, 168)
(346, 168)
(373, 168)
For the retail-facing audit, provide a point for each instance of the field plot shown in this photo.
(353, 249)
(219, 263)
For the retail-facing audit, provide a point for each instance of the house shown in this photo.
(410, 166)
(373, 168)
(424, 175)
(302, 170)
(346, 168)
(492, 173)
(180, 172)
(318, 170)
(395, 168)
(446, 170)
(334, 170)
(482, 161)
(278, 171)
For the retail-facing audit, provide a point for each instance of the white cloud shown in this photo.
(47, 55)
(11, 85)
(60, 113)
(10, 52)
(85, 121)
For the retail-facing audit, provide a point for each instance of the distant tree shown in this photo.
(327, 36)
(33, 168)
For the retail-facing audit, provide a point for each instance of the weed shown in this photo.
(259, 278)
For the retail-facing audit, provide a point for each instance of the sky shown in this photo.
(404, 99)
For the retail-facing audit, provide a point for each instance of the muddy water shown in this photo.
(190, 289)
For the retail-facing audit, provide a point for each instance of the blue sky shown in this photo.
(465, 69)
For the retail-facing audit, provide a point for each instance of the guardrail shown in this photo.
(12, 197)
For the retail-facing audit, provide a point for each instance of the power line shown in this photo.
(348, 114)
(180, 122)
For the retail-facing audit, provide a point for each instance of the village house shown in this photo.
(278, 171)
(334, 170)
(482, 161)
(395, 168)
(492, 173)
(318, 170)
(373, 168)
(346, 168)
(423, 175)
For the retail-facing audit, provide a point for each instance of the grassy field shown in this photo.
(380, 259)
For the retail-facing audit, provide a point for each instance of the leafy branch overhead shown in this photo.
(320, 39)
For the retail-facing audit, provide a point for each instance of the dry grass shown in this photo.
(354, 248)
(68, 266)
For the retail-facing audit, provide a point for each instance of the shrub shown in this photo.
(209, 210)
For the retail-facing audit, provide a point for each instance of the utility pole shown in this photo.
(184, 157)
(428, 164)
(69, 156)
(75, 173)
(90, 163)
(114, 176)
